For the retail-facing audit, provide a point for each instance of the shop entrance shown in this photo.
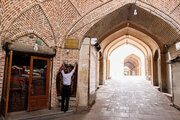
(26, 83)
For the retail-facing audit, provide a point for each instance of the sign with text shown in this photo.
(72, 43)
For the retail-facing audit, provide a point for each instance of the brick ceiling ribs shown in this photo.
(74, 18)
(143, 21)
(84, 6)
(32, 21)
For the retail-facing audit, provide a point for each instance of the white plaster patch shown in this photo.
(84, 65)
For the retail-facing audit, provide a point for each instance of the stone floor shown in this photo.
(128, 99)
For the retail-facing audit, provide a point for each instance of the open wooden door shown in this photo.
(38, 95)
(6, 85)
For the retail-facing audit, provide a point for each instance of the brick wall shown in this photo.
(12, 9)
(26, 40)
(61, 56)
(85, 6)
(2, 64)
(61, 14)
(33, 21)
(2, 57)
(167, 6)
(1, 13)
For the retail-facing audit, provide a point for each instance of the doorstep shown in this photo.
(169, 96)
(156, 87)
(44, 114)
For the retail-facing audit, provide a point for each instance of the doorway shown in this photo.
(19, 82)
(26, 82)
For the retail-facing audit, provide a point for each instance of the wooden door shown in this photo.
(38, 95)
(6, 85)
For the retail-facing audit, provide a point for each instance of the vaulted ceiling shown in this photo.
(144, 21)
(60, 19)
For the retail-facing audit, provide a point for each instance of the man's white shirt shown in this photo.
(67, 77)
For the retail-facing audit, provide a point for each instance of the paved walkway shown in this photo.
(128, 99)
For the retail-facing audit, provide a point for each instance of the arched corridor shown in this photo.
(133, 63)
(126, 60)
(130, 99)
(126, 53)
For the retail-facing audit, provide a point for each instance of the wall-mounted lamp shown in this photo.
(36, 47)
(177, 46)
(135, 12)
(98, 47)
(67, 51)
(38, 42)
(93, 41)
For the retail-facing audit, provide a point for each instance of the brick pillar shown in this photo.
(150, 65)
(2, 64)
(156, 72)
(108, 69)
(83, 75)
(101, 70)
(163, 73)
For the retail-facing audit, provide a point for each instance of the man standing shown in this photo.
(66, 88)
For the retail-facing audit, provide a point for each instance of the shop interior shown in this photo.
(19, 82)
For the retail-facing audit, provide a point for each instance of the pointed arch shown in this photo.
(133, 62)
(32, 20)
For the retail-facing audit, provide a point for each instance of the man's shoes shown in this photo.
(65, 110)
(62, 109)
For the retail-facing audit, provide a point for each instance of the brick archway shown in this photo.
(133, 62)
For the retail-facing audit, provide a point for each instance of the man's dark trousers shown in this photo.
(66, 91)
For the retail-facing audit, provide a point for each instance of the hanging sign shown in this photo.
(72, 43)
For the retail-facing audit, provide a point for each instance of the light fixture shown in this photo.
(67, 51)
(36, 47)
(135, 12)
(93, 41)
(97, 45)
(177, 46)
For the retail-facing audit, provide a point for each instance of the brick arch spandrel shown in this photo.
(62, 14)
(33, 20)
(12, 9)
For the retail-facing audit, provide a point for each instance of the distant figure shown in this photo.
(66, 88)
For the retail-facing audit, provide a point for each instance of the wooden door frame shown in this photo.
(6, 82)
(30, 80)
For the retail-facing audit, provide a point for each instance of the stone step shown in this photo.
(157, 88)
(40, 114)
